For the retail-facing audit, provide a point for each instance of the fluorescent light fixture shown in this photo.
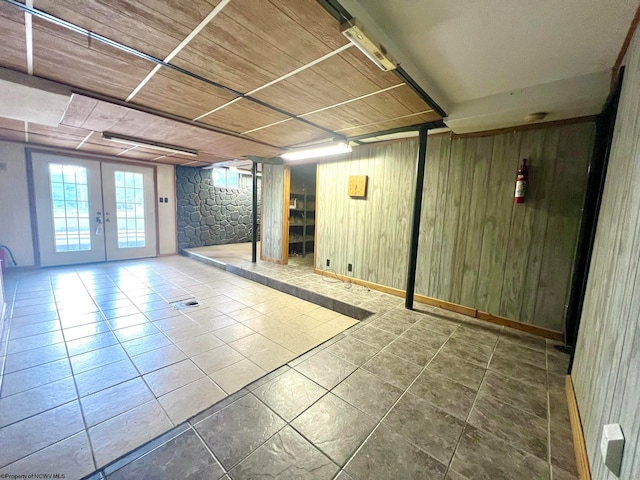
(138, 142)
(334, 148)
(355, 32)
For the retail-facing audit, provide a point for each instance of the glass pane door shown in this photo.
(129, 203)
(68, 199)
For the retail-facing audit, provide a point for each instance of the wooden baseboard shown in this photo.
(453, 307)
(582, 461)
(525, 327)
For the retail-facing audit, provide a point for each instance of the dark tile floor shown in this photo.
(424, 394)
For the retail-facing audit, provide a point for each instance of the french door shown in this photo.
(90, 211)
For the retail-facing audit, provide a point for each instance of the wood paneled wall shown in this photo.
(372, 233)
(476, 248)
(480, 250)
(272, 221)
(606, 371)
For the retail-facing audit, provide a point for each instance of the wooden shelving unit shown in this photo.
(302, 207)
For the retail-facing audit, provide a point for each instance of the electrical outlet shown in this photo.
(350, 267)
(328, 262)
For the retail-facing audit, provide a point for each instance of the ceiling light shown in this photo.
(333, 148)
(355, 32)
(535, 117)
(138, 142)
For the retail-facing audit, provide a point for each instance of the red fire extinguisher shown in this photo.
(521, 183)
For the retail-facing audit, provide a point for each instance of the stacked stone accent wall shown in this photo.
(209, 215)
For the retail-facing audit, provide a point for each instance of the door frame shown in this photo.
(83, 156)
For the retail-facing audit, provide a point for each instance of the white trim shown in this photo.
(85, 139)
(267, 126)
(28, 28)
(180, 46)
(279, 79)
(324, 108)
(217, 108)
(302, 68)
(349, 101)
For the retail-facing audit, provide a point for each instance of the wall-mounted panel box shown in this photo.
(358, 186)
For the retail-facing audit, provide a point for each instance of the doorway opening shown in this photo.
(301, 219)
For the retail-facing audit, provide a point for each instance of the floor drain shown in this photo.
(182, 304)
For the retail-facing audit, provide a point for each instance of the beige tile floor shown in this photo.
(95, 362)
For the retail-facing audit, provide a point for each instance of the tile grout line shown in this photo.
(375, 428)
(475, 399)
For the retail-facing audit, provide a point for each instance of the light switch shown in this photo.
(611, 446)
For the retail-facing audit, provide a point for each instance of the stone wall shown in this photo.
(209, 215)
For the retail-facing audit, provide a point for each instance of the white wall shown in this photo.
(167, 211)
(15, 223)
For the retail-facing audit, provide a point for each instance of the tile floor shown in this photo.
(426, 394)
(95, 362)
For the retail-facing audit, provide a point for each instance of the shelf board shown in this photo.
(302, 224)
(299, 240)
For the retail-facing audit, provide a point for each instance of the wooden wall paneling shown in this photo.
(429, 212)
(379, 193)
(407, 167)
(243, 115)
(324, 225)
(11, 124)
(241, 61)
(358, 60)
(105, 117)
(272, 209)
(286, 195)
(439, 203)
(409, 99)
(172, 92)
(373, 197)
(289, 133)
(13, 49)
(539, 196)
(78, 110)
(451, 213)
(155, 27)
(296, 97)
(346, 116)
(606, 369)
(475, 229)
(390, 211)
(361, 228)
(70, 58)
(467, 157)
(315, 19)
(338, 73)
(275, 27)
(11, 135)
(522, 219)
(497, 221)
(563, 223)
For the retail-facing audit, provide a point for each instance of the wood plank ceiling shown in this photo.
(308, 82)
